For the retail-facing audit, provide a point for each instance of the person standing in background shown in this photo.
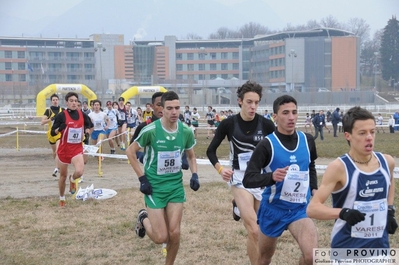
(319, 122)
(335, 119)
(195, 117)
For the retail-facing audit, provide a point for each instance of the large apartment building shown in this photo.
(301, 61)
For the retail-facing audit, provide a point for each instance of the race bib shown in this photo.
(243, 160)
(131, 120)
(168, 162)
(296, 185)
(75, 135)
(375, 220)
(121, 115)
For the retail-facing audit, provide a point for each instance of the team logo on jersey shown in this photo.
(293, 167)
(170, 137)
(371, 182)
(293, 159)
(369, 192)
(160, 142)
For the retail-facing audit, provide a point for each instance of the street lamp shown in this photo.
(292, 54)
(375, 71)
(101, 49)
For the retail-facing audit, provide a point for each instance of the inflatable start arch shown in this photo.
(61, 88)
(134, 90)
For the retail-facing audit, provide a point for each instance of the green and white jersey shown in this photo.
(162, 154)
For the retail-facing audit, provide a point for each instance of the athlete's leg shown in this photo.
(305, 233)
(248, 207)
(78, 163)
(155, 225)
(63, 169)
(174, 213)
(267, 247)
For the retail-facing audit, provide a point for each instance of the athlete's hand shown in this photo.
(145, 185)
(62, 127)
(279, 174)
(194, 182)
(351, 216)
(226, 174)
(392, 225)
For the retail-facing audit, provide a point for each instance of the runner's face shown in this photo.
(362, 136)
(286, 118)
(249, 105)
(72, 103)
(54, 101)
(96, 106)
(157, 107)
(171, 110)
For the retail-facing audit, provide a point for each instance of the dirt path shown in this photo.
(27, 173)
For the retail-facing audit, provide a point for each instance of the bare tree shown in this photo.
(330, 22)
(312, 24)
(252, 29)
(224, 33)
(193, 36)
(359, 27)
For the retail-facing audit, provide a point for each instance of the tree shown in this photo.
(224, 33)
(330, 22)
(359, 27)
(389, 51)
(252, 29)
(193, 36)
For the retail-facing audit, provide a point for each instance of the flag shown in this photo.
(41, 66)
(30, 67)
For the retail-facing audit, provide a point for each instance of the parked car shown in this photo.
(323, 89)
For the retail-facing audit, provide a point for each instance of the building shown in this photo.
(199, 70)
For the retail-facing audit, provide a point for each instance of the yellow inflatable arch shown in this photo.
(134, 90)
(61, 88)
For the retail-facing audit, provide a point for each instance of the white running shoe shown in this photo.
(55, 172)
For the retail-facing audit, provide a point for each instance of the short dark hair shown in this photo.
(355, 114)
(54, 96)
(249, 86)
(96, 100)
(281, 100)
(71, 94)
(168, 96)
(156, 95)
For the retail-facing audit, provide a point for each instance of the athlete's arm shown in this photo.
(137, 131)
(312, 166)
(134, 162)
(87, 123)
(192, 161)
(59, 119)
(391, 192)
(260, 158)
(46, 117)
(333, 180)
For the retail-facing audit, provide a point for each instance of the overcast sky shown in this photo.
(153, 19)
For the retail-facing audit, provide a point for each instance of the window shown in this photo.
(236, 66)
(213, 76)
(21, 54)
(190, 56)
(201, 77)
(201, 67)
(235, 55)
(8, 54)
(179, 77)
(213, 55)
(224, 66)
(179, 67)
(88, 67)
(225, 76)
(8, 77)
(224, 55)
(179, 56)
(21, 66)
(22, 77)
(235, 75)
(89, 77)
(8, 66)
(213, 66)
(201, 56)
(190, 67)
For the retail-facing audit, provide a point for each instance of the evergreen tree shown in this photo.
(389, 51)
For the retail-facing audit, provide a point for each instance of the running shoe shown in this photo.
(72, 185)
(235, 209)
(55, 172)
(123, 146)
(112, 151)
(140, 229)
(164, 251)
(80, 180)
(62, 203)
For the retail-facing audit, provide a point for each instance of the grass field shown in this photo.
(37, 231)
